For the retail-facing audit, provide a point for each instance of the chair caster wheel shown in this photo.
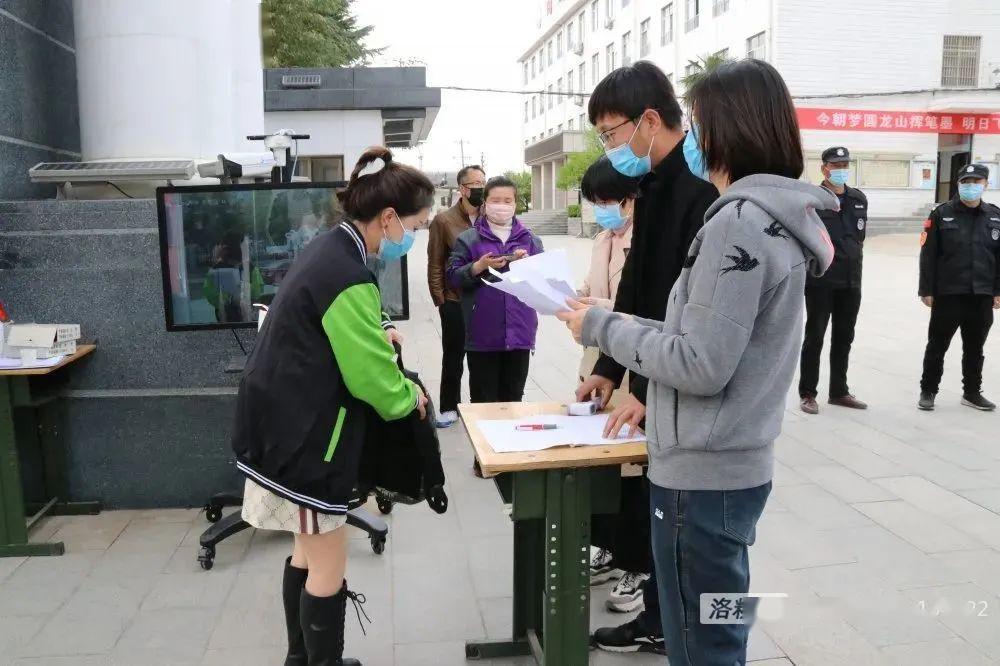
(384, 505)
(206, 558)
(378, 544)
(213, 513)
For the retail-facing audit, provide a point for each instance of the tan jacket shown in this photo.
(445, 228)
(606, 263)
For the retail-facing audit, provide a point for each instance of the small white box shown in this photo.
(47, 339)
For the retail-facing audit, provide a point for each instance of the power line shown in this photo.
(886, 93)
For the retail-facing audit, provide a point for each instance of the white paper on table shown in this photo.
(543, 282)
(504, 437)
(18, 364)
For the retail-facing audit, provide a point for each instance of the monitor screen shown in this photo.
(225, 247)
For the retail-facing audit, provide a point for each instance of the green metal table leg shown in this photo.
(13, 529)
(566, 623)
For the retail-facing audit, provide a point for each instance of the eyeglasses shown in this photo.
(606, 136)
(474, 184)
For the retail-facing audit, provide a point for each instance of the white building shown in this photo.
(846, 64)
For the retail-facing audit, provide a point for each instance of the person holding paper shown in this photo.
(319, 372)
(499, 328)
(721, 363)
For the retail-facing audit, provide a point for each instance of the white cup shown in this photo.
(29, 356)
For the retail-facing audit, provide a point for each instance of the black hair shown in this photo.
(499, 181)
(602, 182)
(632, 89)
(746, 121)
(466, 169)
(396, 186)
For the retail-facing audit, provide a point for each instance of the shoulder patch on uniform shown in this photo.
(947, 219)
(859, 205)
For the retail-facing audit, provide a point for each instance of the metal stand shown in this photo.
(551, 510)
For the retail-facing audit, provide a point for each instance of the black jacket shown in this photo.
(847, 228)
(320, 372)
(669, 211)
(960, 250)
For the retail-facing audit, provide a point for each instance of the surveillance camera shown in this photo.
(238, 165)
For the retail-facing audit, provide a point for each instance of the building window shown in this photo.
(670, 77)
(692, 15)
(550, 95)
(559, 127)
(559, 49)
(583, 121)
(569, 81)
(757, 47)
(593, 16)
(627, 48)
(569, 124)
(560, 89)
(541, 59)
(549, 49)
(885, 173)
(569, 36)
(582, 76)
(722, 55)
(691, 68)
(533, 67)
(960, 64)
(595, 69)
(525, 143)
(525, 73)
(720, 7)
(667, 24)
(525, 110)
(612, 57)
(644, 38)
(609, 9)
(579, 29)
(534, 106)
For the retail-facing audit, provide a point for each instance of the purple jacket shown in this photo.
(494, 321)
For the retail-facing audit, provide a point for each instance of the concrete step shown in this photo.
(545, 222)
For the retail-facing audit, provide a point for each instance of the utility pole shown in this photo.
(482, 160)
(461, 147)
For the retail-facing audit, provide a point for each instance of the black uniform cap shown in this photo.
(837, 154)
(973, 171)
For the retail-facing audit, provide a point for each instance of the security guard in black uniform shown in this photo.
(837, 294)
(960, 283)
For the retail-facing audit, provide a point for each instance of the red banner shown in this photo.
(859, 120)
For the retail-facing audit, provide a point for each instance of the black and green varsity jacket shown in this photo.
(320, 365)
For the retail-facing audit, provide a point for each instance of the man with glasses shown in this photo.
(445, 228)
(639, 120)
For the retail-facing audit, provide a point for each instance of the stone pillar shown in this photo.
(558, 196)
(546, 186)
(536, 187)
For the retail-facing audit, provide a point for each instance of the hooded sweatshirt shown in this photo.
(721, 363)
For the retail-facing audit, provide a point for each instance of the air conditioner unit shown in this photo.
(578, 48)
(609, 23)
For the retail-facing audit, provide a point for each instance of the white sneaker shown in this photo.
(446, 419)
(601, 570)
(626, 596)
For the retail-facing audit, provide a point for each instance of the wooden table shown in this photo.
(552, 494)
(32, 413)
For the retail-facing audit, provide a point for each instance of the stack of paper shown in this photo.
(543, 282)
(504, 437)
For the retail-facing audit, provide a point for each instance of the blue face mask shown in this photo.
(609, 216)
(628, 163)
(971, 191)
(694, 155)
(839, 176)
(390, 250)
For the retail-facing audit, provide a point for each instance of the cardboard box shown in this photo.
(47, 339)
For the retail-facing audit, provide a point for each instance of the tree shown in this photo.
(571, 173)
(703, 65)
(523, 181)
(313, 33)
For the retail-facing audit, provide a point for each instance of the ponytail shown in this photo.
(378, 182)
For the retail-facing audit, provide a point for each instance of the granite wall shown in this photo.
(148, 415)
(39, 121)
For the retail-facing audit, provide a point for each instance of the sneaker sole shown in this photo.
(624, 606)
(627, 649)
(975, 406)
(925, 409)
(605, 576)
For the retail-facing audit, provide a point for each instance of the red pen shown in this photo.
(536, 426)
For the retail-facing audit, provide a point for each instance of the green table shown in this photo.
(552, 495)
(29, 408)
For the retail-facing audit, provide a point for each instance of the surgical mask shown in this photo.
(970, 191)
(628, 163)
(475, 197)
(499, 213)
(693, 154)
(610, 216)
(839, 176)
(390, 250)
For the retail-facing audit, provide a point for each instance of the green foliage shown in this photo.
(523, 182)
(312, 33)
(705, 64)
(573, 210)
(571, 173)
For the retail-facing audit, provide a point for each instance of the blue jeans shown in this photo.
(700, 540)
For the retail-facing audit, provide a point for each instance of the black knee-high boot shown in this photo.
(292, 585)
(323, 628)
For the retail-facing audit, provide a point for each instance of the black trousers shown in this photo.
(498, 376)
(973, 315)
(822, 305)
(452, 355)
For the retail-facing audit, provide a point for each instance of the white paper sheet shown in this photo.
(542, 282)
(17, 364)
(504, 437)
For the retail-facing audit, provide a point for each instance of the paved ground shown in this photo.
(883, 529)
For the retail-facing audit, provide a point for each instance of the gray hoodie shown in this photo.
(721, 363)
